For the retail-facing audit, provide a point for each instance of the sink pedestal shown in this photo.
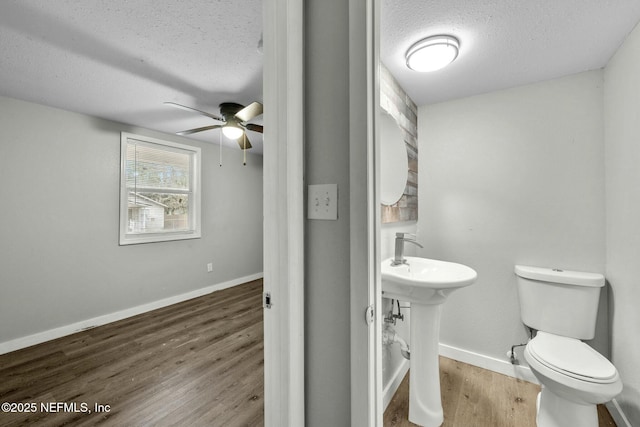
(425, 402)
(426, 284)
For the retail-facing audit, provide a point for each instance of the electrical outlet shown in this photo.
(209, 267)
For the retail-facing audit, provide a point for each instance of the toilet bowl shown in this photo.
(574, 378)
(562, 306)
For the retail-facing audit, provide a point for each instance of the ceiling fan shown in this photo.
(235, 118)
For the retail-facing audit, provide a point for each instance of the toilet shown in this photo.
(562, 307)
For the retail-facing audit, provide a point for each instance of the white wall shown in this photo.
(512, 177)
(622, 136)
(60, 262)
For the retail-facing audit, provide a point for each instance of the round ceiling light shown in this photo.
(432, 53)
(232, 131)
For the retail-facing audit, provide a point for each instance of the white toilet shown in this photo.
(562, 306)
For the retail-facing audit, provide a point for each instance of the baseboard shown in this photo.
(51, 334)
(487, 362)
(616, 413)
(392, 386)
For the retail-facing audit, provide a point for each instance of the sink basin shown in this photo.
(425, 283)
(424, 280)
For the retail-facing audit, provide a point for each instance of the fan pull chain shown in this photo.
(220, 144)
(244, 150)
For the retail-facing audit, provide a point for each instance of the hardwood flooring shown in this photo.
(200, 363)
(196, 363)
(476, 397)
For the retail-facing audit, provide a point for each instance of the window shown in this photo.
(159, 190)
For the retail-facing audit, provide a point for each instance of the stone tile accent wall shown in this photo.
(397, 103)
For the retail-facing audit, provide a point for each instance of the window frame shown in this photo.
(194, 192)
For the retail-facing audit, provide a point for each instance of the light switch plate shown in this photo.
(322, 202)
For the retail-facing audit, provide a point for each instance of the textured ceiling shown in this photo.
(504, 43)
(121, 59)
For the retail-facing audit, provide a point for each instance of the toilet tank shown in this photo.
(561, 302)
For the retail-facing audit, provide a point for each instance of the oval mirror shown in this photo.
(394, 163)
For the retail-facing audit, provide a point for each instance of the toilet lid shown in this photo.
(571, 357)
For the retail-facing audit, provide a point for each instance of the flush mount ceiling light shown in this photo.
(432, 53)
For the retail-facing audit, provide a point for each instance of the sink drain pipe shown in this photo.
(390, 336)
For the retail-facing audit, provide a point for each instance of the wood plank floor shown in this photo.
(476, 397)
(196, 363)
(200, 363)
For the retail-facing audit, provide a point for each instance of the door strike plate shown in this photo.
(266, 300)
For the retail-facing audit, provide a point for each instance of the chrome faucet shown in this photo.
(401, 238)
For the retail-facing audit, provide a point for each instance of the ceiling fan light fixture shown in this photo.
(232, 131)
(432, 53)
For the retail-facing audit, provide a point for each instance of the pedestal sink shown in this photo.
(426, 284)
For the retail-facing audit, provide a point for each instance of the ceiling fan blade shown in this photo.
(241, 142)
(190, 131)
(254, 127)
(249, 112)
(184, 107)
